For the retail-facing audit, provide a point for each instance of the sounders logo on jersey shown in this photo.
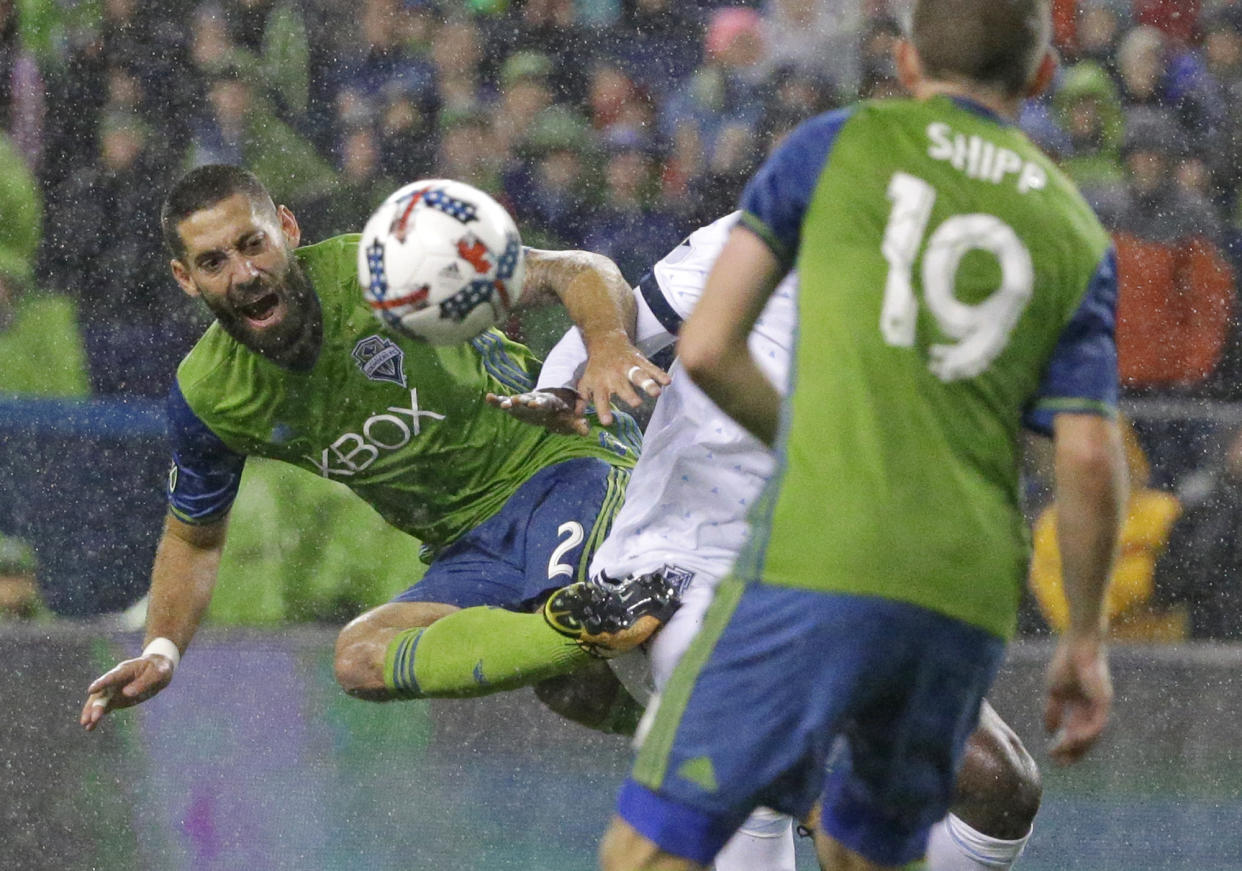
(380, 359)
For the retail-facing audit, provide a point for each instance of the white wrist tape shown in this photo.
(164, 647)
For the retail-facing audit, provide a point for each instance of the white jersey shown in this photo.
(699, 472)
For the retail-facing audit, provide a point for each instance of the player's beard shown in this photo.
(293, 341)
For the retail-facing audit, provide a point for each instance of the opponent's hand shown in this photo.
(127, 684)
(616, 368)
(1080, 696)
(558, 410)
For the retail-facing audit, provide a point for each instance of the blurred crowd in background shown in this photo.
(612, 125)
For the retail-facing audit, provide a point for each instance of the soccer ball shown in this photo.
(440, 261)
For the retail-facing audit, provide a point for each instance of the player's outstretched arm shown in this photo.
(1091, 497)
(182, 581)
(601, 304)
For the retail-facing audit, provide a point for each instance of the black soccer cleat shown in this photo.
(609, 617)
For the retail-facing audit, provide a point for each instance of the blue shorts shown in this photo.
(541, 539)
(777, 681)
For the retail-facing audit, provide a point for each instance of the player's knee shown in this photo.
(361, 647)
(359, 665)
(998, 786)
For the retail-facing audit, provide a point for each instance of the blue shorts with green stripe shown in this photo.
(540, 540)
(787, 696)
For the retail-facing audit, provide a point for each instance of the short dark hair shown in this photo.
(202, 188)
(994, 43)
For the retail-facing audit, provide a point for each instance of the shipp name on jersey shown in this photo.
(980, 159)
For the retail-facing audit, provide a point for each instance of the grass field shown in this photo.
(254, 760)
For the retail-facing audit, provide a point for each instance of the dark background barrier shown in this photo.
(255, 760)
(83, 482)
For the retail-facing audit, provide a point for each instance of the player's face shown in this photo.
(239, 259)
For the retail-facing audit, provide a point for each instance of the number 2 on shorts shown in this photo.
(571, 536)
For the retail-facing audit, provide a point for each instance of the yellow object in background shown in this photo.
(1150, 515)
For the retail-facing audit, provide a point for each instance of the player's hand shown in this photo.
(127, 684)
(557, 410)
(616, 368)
(1080, 696)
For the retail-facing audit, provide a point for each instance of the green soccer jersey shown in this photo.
(402, 423)
(954, 285)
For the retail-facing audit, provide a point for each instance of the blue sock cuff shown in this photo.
(399, 664)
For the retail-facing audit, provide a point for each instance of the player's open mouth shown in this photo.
(264, 311)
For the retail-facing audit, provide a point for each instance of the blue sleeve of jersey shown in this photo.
(1082, 376)
(206, 473)
(778, 195)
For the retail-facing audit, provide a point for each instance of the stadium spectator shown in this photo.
(1088, 109)
(1222, 54)
(468, 150)
(1149, 204)
(21, 214)
(549, 189)
(457, 53)
(524, 93)
(21, 86)
(877, 72)
(550, 28)
(656, 43)
(410, 127)
(1135, 608)
(361, 185)
(1100, 27)
(1178, 18)
(134, 330)
(1201, 568)
(728, 89)
(613, 99)
(238, 127)
(820, 37)
(632, 225)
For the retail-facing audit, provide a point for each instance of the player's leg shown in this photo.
(730, 732)
(765, 840)
(911, 717)
(401, 650)
(998, 794)
(592, 696)
(466, 628)
(624, 849)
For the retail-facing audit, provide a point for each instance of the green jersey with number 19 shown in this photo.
(402, 423)
(954, 286)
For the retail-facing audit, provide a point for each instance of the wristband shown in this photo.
(165, 648)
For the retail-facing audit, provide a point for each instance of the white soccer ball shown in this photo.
(440, 261)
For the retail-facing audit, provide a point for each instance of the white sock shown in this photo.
(763, 843)
(955, 846)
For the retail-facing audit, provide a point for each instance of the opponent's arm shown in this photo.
(182, 580)
(1091, 496)
(713, 345)
(601, 304)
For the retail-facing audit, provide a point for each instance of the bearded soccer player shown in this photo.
(953, 286)
(685, 519)
(296, 368)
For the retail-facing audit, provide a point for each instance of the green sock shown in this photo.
(477, 651)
